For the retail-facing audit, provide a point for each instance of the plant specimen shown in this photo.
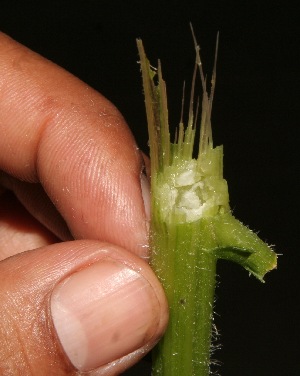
(192, 225)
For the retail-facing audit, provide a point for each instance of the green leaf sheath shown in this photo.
(191, 225)
(187, 272)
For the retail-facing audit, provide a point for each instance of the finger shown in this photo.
(19, 231)
(36, 201)
(79, 305)
(57, 131)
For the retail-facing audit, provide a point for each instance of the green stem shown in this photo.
(191, 226)
(188, 272)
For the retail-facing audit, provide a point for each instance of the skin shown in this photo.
(70, 196)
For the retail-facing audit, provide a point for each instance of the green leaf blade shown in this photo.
(238, 243)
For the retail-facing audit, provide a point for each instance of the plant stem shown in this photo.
(191, 225)
(188, 273)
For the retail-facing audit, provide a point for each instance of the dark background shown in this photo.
(254, 116)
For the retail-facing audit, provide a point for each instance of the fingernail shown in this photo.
(145, 186)
(102, 313)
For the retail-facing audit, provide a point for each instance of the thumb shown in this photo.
(75, 307)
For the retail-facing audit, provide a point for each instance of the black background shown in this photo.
(254, 116)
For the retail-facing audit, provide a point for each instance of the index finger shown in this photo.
(58, 131)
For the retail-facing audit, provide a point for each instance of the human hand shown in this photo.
(69, 306)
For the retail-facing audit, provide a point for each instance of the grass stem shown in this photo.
(191, 225)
